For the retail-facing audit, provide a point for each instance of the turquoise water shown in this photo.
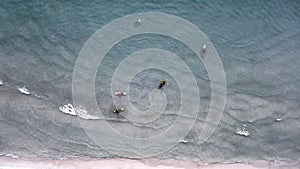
(257, 41)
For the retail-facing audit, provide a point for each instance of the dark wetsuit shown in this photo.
(118, 110)
(161, 84)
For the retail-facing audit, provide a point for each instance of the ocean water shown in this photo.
(258, 44)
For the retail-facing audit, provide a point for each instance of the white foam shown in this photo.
(67, 109)
(10, 155)
(77, 111)
(1, 82)
(37, 96)
(183, 141)
(242, 131)
(24, 90)
(83, 114)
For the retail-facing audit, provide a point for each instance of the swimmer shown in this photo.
(138, 22)
(116, 110)
(162, 84)
(203, 51)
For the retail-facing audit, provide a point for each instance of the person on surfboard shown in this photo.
(120, 93)
(118, 110)
(162, 83)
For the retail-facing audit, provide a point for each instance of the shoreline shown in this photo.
(11, 163)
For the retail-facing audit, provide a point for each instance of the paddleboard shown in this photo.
(120, 93)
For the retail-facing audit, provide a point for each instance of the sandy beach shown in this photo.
(9, 163)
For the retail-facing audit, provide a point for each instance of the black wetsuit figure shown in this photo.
(118, 110)
(162, 84)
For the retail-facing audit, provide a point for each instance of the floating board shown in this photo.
(120, 93)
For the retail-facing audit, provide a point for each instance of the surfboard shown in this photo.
(120, 93)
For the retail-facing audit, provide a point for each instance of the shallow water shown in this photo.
(258, 43)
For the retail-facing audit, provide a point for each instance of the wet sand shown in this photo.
(9, 163)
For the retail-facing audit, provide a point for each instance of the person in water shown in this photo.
(116, 110)
(138, 23)
(162, 84)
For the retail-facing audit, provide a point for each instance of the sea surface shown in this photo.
(257, 41)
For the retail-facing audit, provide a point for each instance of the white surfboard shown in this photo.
(120, 93)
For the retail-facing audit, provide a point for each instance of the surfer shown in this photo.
(120, 93)
(162, 83)
(203, 50)
(116, 110)
(138, 23)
